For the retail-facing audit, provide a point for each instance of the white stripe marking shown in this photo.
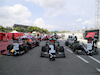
(94, 59)
(98, 69)
(69, 51)
(82, 59)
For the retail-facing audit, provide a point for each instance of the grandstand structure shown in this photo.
(19, 25)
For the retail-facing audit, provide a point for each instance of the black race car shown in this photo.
(69, 43)
(82, 48)
(35, 41)
(17, 48)
(31, 42)
(52, 49)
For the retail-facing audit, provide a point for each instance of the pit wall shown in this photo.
(79, 35)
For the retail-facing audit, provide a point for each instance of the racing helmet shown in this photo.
(46, 44)
(12, 51)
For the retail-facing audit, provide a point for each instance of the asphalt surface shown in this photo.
(32, 64)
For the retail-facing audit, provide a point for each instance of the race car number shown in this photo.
(89, 46)
(52, 49)
(16, 46)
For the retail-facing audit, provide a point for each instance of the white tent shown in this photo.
(14, 31)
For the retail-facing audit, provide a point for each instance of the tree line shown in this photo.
(21, 29)
(34, 28)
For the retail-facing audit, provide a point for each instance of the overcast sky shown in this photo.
(61, 15)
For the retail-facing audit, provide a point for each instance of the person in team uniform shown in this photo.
(95, 39)
(73, 36)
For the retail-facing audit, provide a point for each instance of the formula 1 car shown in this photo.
(45, 37)
(35, 41)
(31, 42)
(69, 43)
(81, 48)
(78, 47)
(52, 49)
(17, 48)
(28, 41)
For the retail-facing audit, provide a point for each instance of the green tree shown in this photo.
(2, 29)
(8, 29)
(63, 31)
(67, 31)
(35, 28)
(42, 30)
(45, 31)
(19, 29)
(29, 29)
(91, 28)
(59, 31)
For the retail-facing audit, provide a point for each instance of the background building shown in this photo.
(19, 25)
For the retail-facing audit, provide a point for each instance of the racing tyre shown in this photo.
(77, 52)
(90, 54)
(66, 43)
(10, 47)
(43, 49)
(71, 46)
(37, 43)
(97, 52)
(74, 48)
(62, 50)
(32, 45)
(26, 49)
(41, 55)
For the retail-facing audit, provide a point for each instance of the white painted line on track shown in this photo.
(69, 51)
(94, 59)
(98, 69)
(82, 59)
